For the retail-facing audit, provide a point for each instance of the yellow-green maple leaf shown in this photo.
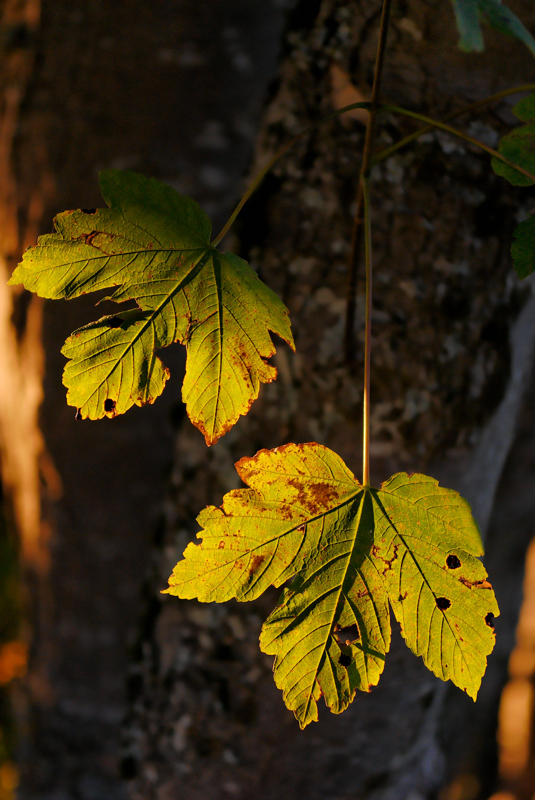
(152, 246)
(349, 552)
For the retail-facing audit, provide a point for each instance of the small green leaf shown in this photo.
(519, 145)
(468, 14)
(151, 245)
(349, 551)
(523, 248)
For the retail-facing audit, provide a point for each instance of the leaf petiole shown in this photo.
(470, 139)
(365, 168)
(368, 326)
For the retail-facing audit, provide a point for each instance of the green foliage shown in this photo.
(152, 246)
(519, 145)
(468, 14)
(351, 551)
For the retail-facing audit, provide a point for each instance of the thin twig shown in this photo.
(364, 173)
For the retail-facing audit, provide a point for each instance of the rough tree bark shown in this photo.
(452, 351)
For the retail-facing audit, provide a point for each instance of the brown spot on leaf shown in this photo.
(475, 584)
(453, 562)
(390, 561)
(221, 545)
(314, 497)
(324, 493)
(443, 603)
(88, 237)
(255, 563)
(286, 512)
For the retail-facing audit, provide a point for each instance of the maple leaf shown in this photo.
(152, 246)
(519, 145)
(349, 552)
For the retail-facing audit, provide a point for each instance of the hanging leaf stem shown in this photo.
(368, 332)
(366, 165)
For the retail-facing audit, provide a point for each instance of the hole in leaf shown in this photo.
(453, 562)
(443, 603)
(344, 660)
(349, 634)
(489, 619)
(109, 405)
(115, 322)
(89, 210)
(78, 415)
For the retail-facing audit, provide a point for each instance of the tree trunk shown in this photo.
(453, 334)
